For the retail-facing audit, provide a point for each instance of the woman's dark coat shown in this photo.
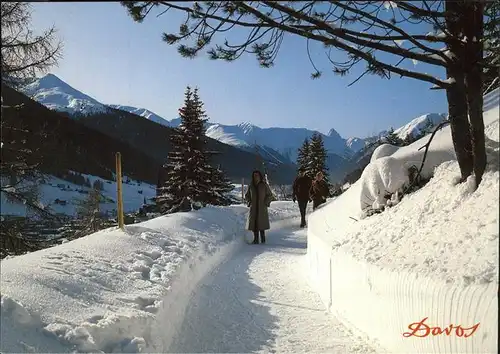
(258, 198)
(319, 191)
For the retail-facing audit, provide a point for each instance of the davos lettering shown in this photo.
(421, 330)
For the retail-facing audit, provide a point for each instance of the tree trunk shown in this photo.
(456, 94)
(474, 83)
(460, 131)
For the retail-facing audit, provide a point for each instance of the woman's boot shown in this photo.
(262, 236)
(255, 237)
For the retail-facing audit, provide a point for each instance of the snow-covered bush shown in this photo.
(380, 179)
(386, 175)
(383, 151)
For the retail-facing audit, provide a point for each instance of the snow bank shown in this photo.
(116, 291)
(434, 255)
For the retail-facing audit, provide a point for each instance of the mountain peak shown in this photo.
(247, 127)
(56, 94)
(334, 134)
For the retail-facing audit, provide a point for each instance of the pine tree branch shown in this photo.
(353, 36)
(420, 12)
(347, 48)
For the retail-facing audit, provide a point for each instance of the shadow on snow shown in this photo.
(222, 315)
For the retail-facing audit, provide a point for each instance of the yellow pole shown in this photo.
(119, 198)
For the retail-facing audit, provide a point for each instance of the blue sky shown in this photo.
(117, 61)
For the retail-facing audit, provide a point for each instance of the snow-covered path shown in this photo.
(260, 301)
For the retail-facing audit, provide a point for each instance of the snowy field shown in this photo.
(117, 291)
(435, 254)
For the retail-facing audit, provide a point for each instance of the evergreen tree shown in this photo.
(191, 182)
(317, 157)
(89, 214)
(408, 140)
(181, 189)
(393, 139)
(303, 156)
(491, 46)
(221, 187)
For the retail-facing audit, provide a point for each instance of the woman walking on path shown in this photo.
(258, 198)
(301, 188)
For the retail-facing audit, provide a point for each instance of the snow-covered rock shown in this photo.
(433, 257)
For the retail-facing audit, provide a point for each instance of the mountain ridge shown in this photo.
(274, 144)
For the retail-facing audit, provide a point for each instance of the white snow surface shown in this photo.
(260, 301)
(444, 230)
(116, 291)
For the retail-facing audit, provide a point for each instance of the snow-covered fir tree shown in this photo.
(191, 182)
(303, 158)
(221, 186)
(317, 157)
(393, 139)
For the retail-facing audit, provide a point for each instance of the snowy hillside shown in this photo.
(61, 196)
(433, 255)
(355, 144)
(142, 112)
(57, 95)
(227, 134)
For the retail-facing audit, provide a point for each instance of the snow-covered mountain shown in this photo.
(142, 112)
(419, 124)
(58, 95)
(285, 141)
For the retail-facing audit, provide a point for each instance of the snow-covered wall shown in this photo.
(382, 304)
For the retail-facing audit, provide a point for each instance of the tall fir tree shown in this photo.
(303, 156)
(191, 182)
(186, 180)
(317, 156)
